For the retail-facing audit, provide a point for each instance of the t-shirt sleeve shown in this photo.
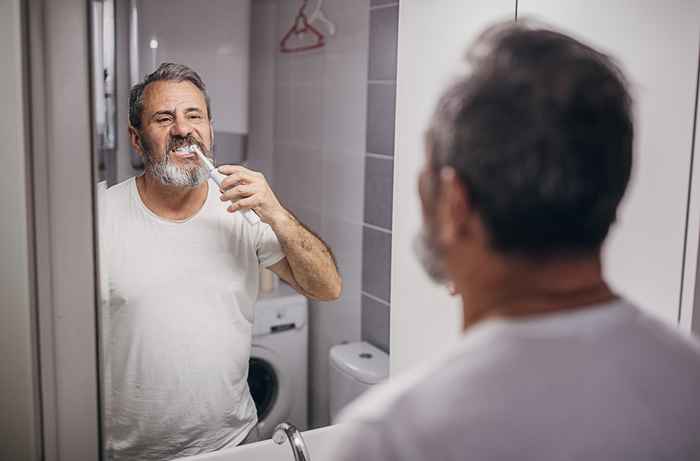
(267, 246)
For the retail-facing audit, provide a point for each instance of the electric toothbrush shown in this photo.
(218, 178)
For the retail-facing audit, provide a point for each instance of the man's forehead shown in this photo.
(169, 95)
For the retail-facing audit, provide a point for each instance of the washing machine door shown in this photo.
(271, 386)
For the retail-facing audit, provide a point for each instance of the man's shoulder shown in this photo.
(121, 189)
(461, 361)
(536, 367)
(113, 202)
(526, 379)
(118, 195)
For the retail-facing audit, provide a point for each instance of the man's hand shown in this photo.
(308, 265)
(247, 189)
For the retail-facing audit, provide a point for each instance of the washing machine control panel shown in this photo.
(277, 316)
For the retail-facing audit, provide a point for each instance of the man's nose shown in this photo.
(181, 127)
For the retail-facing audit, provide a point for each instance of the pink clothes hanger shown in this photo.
(301, 26)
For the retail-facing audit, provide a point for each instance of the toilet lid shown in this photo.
(362, 361)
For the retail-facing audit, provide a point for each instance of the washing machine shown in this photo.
(277, 376)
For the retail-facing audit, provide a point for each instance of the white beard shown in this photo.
(170, 174)
(430, 256)
(173, 175)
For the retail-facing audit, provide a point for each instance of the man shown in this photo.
(183, 267)
(527, 160)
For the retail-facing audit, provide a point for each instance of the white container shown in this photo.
(354, 368)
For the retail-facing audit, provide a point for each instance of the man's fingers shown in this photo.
(231, 169)
(233, 180)
(240, 177)
(244, 204)
(237, 193)
(238, 173)
(244, 188)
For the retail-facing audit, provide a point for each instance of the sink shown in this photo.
(317, 441)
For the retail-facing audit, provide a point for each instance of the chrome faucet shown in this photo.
(287, 431)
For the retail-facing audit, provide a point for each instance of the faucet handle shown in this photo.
(288, 431)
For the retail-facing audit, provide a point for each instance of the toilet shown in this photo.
(354, 368)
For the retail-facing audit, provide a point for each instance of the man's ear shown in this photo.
(455, 209)
(135, 139)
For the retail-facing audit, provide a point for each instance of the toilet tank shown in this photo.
(354, 368)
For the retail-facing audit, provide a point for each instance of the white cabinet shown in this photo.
(656, 44)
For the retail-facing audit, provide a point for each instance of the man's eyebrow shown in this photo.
(172, 112)
(163, 112)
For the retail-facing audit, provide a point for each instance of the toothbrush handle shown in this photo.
(249, 215)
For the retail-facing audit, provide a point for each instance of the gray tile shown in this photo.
(379, 183)
(376, 263)
(375, 323)
(381, 117)
(229, 148)
(383, 39)
(310, 217)
(382, 2)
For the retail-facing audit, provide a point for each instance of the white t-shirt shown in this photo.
(177, 324)
(604, 383)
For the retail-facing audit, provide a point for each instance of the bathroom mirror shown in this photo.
(303, 92)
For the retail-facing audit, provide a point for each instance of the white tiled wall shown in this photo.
(320, 110)
(219, 55)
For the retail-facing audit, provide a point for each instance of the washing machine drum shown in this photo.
(271, 388)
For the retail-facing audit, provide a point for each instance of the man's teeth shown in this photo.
(185, 149)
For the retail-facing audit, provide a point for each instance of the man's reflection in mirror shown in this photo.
(183, 268)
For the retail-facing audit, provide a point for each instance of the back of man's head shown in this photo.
(540, 133)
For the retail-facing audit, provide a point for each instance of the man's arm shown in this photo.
(308, 265)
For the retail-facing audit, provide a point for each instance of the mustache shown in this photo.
(179, 141)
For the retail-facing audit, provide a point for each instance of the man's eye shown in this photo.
(163, 120)
(196, 117)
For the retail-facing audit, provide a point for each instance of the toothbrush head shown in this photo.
(194, 148)
(190, 148)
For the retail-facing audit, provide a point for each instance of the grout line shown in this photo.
(377, 228)
(381, 156)
(380, 7)
(382, 82)
(379, 300)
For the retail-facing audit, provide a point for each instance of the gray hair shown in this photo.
(167, 71)
(540, 133)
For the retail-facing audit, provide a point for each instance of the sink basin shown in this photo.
(316, 440)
